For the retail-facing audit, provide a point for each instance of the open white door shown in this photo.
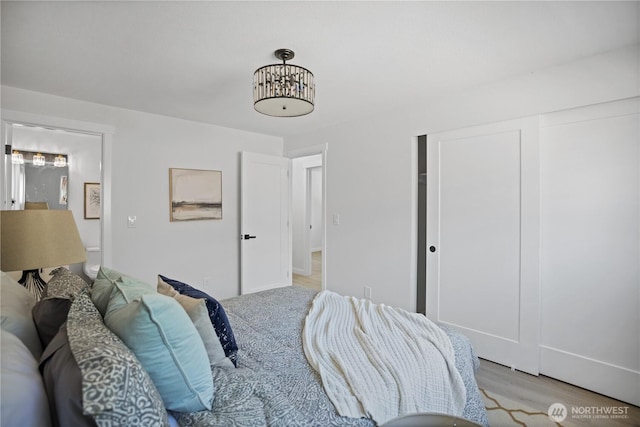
(483, 237)
(266, 242)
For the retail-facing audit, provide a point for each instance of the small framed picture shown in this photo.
(92, 200)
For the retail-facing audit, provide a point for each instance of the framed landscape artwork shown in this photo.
(92, 200)
(195, 194)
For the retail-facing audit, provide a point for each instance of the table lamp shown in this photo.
(35, 239)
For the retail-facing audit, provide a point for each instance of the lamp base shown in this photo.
(33, 282)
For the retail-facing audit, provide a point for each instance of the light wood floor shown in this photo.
(314, 281)
(541, 392)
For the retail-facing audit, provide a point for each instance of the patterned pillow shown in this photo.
(64, 284)
(128, 397)
(216, 314)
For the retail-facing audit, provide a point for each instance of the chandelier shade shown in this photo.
(283, 90)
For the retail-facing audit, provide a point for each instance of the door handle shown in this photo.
(247, 237)
(432, 248)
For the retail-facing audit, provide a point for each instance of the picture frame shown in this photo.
(64, 190)
(195, 194)
(92, 200)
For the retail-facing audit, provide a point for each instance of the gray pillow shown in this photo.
(197, 311)
(23, 400)
(63, 382)
(15, 313)
(129, 397)
(51, 311)
(48, 315)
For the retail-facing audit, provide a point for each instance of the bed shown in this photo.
(274, 381)
(95, 375)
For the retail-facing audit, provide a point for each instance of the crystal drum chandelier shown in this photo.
(283, 90)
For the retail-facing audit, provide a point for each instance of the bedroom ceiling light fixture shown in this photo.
(283, 90)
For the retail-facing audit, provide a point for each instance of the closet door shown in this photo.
(590, 305)
(483, 238)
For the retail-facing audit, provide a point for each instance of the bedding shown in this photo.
(381, 362)
(275, 385)
(96, 378)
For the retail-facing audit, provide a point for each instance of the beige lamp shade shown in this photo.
(33, 239)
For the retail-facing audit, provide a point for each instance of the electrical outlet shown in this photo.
(367, 292)
(131, 221)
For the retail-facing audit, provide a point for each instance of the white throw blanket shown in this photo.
(379, 362)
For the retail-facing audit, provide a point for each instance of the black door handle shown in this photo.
(247, 237)
(432, 248)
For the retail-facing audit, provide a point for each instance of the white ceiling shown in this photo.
(195, 60)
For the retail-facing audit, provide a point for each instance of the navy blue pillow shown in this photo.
(216, 314)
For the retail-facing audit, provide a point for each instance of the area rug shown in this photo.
(503, 411)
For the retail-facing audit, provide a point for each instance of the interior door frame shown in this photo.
(305, 152)
(105, 132)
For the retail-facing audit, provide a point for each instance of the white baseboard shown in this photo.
(604, 378)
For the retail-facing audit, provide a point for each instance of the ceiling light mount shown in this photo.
(284, 55)
(283, 90)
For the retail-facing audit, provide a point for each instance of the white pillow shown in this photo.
(23, 398)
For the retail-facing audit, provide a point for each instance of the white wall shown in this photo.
(371, 169)
(145, 146)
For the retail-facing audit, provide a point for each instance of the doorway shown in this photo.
(307, 207)
(88, 147)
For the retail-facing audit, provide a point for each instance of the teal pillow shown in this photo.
(161, 335)
(103, 287)
(126, 290)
